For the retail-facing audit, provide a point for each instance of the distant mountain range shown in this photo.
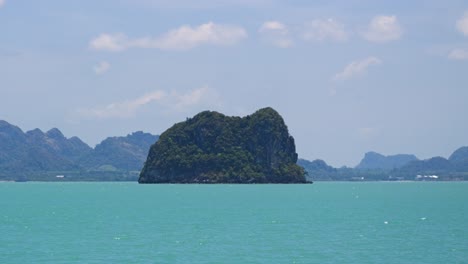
(47, 156)
(36, 155)
(375, 166)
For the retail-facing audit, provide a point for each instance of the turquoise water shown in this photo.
(398, 222)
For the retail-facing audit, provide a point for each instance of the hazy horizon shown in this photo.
(347, 78)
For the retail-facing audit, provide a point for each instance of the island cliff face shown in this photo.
(214, 148)
(374, 160)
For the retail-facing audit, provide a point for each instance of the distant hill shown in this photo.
(38, 155)
(317, 169)
(455, 167)
(122, 153)
(432, 165)
(374, 160)
(459, 159)
(38, 151)
(376, 167)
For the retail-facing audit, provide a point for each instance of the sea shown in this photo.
(324, 222)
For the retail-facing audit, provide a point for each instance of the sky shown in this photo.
(348, 77)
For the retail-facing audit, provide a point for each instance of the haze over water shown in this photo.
(378, 222)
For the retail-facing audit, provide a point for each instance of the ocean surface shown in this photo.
(324, 222)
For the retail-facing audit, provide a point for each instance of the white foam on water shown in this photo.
(386, 222)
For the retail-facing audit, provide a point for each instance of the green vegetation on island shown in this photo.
(214, 148)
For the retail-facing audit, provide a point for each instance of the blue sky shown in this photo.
(347, 76)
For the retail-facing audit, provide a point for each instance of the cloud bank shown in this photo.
(276, 33)
(182, 38)
(356, 68)
(383, 29)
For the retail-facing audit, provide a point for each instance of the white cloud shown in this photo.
(2, 2)
(458, 54)
(182, 38)
(276, 33)
(109, 42)
(272, 25)
(166, 101)
(122, 109)
(462, 24)
(356, 68)
(187, 37)
(202, 96)
(383, 29)
(321, 30)
(102, 67)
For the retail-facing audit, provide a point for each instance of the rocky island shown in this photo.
(214, 148)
